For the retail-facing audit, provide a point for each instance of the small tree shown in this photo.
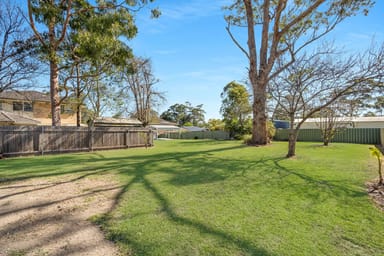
(236, 108)
(332, 122)
(376, 153)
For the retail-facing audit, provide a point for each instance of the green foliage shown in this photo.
(236, 109)
(215, 125)
(205, 197)
(271, 129)
(377, 153)
(184, 113)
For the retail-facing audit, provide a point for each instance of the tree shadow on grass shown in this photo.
(186, 168)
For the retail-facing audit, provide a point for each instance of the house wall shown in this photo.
(368, 124)
(41, 109)
(41, 112)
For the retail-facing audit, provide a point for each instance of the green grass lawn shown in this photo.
(222, 198)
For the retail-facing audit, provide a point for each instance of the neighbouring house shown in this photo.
(162, 127)
(116, 122)
(10, 119)
(31, 108)
(194, 129)
(348, 122)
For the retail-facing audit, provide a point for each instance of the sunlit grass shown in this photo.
(223, 198)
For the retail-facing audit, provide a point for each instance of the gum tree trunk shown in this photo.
(54, 94)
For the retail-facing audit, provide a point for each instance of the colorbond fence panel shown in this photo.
(40, 140)
(356, 135)
(216, 135)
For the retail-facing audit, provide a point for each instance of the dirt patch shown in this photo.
(376, 192)
(49, 216)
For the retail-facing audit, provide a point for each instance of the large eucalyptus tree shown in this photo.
(277, 28)
(53, 20)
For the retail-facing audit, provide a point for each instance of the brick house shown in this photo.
(31, 108)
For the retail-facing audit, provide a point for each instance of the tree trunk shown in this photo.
(258, 78)
(292, 138)
(78, 97)
(54, 93)
(259, 128)
(78, 116)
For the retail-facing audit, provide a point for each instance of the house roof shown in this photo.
(15, 119)
(194, 128)
(25, 95)
(163, 122)
(103, 121)
(358, 119)
(164, 127)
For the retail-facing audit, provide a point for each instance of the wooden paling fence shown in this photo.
(39, 140)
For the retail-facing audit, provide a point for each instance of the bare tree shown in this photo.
(316, 81)
(283, 28)
(17, 65)
(331, 121)
(141, 84)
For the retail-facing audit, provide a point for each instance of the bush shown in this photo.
(247, 138)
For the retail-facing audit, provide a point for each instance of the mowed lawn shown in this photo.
(203, 197)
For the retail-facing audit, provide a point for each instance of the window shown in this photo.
(17, 106)
(28, 107)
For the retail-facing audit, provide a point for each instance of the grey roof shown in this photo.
(164, 127)
(348, 119)
(116, 121)
(163, 122)
(15, 119)
(25, 95)
(194, 128)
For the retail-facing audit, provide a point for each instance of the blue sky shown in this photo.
(194, 57)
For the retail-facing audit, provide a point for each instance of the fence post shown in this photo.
(127, 138)
(41, 141)
(90, 138)
(382, 136)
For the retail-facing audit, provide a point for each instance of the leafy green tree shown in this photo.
(184, 113)
(277, 30)
(215, 125)
(235, 108)
(60, 18)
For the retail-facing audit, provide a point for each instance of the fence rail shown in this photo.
(355, 135)
(25, 140)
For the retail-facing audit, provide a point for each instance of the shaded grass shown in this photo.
(223, 198)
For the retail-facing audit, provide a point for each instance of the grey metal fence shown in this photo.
(355, 135)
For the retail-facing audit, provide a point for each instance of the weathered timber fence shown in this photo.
(353, 135)
(38, 140)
